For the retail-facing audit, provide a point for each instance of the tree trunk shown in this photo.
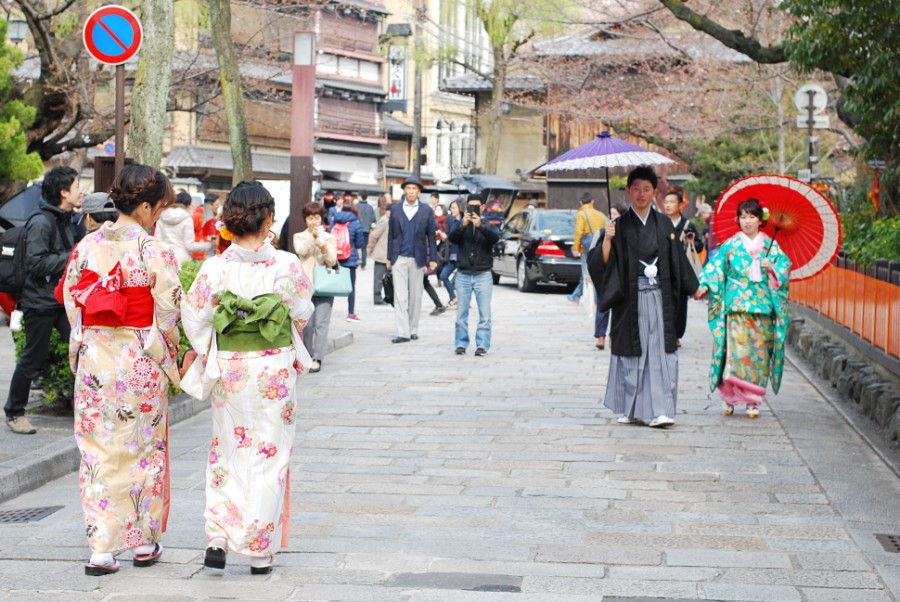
(232, 90)
(495, 115)
(150, 95)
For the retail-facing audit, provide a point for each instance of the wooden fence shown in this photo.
(866, 301)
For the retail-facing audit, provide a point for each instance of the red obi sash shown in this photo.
(105, 302)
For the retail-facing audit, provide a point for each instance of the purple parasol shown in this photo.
(605, 151)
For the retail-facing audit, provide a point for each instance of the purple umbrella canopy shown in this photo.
(604, 151)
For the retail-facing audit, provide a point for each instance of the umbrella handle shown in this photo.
(773, 240)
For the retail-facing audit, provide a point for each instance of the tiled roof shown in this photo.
(598, 43)
(219, 159)
(471, 82)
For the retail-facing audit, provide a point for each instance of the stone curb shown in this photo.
(59, 458)
(873, 393)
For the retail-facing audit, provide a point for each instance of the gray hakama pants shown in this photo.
(647, 386)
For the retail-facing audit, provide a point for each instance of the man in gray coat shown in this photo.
(48, 242)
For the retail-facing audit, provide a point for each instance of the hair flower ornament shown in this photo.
(765, 211)
(224, 233)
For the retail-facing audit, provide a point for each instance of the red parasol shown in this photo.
(801, 219)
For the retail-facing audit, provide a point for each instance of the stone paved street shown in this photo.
(421, 476)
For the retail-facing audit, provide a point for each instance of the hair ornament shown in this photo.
(224, 233)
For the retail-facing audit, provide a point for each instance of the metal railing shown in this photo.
(866, 301)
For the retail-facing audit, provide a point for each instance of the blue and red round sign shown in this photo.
(112, 34)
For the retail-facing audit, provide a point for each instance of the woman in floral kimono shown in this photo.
(122, 296)
(747, 283)
(244, 315)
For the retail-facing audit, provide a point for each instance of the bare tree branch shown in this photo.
(733, 38)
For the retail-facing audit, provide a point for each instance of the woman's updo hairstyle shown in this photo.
(753, 207)
(137, 184)
(247, 207)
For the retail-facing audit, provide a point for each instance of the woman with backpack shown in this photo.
(349, 238)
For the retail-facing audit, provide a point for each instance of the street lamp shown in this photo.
(505, 107)
(303, 93)
(18, 29)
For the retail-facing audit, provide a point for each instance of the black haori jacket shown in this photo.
(616, 281)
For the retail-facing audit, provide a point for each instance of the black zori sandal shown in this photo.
(214, 558)
(98, 570)
(145, 560)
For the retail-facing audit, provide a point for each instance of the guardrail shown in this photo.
(866, 301)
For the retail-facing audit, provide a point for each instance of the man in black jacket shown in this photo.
(46, 255)
(476, 239)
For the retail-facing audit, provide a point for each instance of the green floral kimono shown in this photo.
(748, 316)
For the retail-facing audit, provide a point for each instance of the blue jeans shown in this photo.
(446, 271)
(482, 285)
(579, 290)
(601, 318)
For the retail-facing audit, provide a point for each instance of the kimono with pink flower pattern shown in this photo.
(122, 376)
(254, 401)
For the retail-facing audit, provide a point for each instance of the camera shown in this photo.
(473, 209)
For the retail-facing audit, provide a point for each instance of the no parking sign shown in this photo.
(112, 34)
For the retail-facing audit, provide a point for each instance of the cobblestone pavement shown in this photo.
(422, 476)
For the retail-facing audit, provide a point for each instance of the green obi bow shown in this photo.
(252, 324)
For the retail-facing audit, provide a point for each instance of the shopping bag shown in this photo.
(387, 283)
(694, 259)
(331, 282)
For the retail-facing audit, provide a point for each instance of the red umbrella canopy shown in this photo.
(801, 219)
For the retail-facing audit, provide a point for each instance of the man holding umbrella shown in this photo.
(642, 271)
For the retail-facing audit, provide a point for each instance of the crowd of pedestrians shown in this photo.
(258, 317)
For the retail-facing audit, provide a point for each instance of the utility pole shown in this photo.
(812, 139)
(419, 6)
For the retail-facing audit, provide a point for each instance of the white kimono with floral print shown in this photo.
(254, 401)
(122, 378)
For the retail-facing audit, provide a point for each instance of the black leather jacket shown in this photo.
(45, 265)
(475, 247)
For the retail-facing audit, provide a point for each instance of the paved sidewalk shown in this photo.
(421, 476)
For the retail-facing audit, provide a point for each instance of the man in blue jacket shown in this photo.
(411, 247)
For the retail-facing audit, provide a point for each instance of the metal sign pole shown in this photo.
(120, 119)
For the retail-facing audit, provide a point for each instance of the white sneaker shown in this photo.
(661, 421)
(627, 420)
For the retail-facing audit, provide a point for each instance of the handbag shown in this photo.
(387, 283)
(195, 382)
(331, 282)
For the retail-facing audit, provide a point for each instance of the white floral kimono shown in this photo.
(122, 376)
(254, 402)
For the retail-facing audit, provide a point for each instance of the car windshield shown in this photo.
(560, 223)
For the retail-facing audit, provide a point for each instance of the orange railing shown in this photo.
(865, 301)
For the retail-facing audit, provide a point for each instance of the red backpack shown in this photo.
(341, 234)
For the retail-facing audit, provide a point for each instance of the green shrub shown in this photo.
(187, 274)
(867, 238)
(56, 378)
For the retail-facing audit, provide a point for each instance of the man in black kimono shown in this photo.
(642, 271)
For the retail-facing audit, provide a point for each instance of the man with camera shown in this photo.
(476, 239)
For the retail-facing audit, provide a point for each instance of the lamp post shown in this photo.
(303, 93)
(18, 29)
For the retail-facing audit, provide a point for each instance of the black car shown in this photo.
(536, 247)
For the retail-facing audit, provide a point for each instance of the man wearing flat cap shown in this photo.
(411, 248)
(97, 208)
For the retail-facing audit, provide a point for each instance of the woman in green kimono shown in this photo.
(747, 284)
